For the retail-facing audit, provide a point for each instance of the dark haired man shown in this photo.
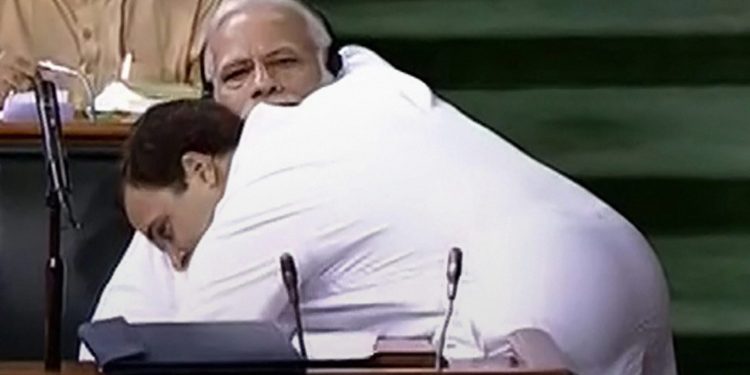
(369, 209)
(368, 182)
(179, 145)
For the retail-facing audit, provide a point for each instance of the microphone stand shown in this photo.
(57, 199)
(291, 282)
(90, 108)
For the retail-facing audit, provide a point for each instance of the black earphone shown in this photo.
(334, 62)
(207, 87)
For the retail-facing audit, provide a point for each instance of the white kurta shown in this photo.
(369, 183)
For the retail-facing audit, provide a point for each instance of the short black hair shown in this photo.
(152, 156)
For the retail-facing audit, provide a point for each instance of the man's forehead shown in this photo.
(261, 30)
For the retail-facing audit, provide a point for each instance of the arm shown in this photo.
(234, 273)
(16, 74)
(16, 64)
(276, 202)
(142, 288)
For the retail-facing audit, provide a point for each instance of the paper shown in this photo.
(29, 97)
(21, 107)
(127, 64)
(118, 97)
(338, 345)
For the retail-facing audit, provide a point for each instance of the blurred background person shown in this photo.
(95, 36)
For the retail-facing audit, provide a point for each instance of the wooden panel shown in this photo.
(75, 134)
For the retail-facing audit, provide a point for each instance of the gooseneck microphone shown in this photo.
(289, 275)
(454, 272)
(455, 259)
(57, 200)
(55, 159)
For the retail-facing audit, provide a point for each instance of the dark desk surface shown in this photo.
(72, 368)
(392, 356)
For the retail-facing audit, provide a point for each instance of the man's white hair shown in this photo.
(230, 8)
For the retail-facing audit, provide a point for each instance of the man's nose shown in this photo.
(265, 84)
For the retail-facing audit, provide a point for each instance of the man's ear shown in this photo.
(199, 166)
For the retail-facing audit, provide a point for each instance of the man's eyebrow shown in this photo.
(281, 50)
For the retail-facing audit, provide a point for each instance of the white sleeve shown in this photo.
(141, 288)
(276, 201)
(234, 273)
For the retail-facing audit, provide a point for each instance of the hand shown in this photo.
(16, 74)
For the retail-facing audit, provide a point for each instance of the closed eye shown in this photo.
(235, 71)
(235, 75)
(160, 233)
(165, 231)
(285, 61)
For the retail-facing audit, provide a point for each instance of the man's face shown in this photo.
(264, 55)
(175, 220)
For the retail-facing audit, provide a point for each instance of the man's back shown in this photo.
(371, 195)
(368, 183)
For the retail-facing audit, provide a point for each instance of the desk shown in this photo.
(534, 351)
(77, 133)
(72, 368)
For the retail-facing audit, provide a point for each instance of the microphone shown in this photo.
(51, 126)
(90, 109)
(455, 258)
(454, 272)
(57, 199)
(289, 275)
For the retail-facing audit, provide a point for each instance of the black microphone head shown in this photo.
(454, 271)
(289, 274)
(454, 265)
(287, 262)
